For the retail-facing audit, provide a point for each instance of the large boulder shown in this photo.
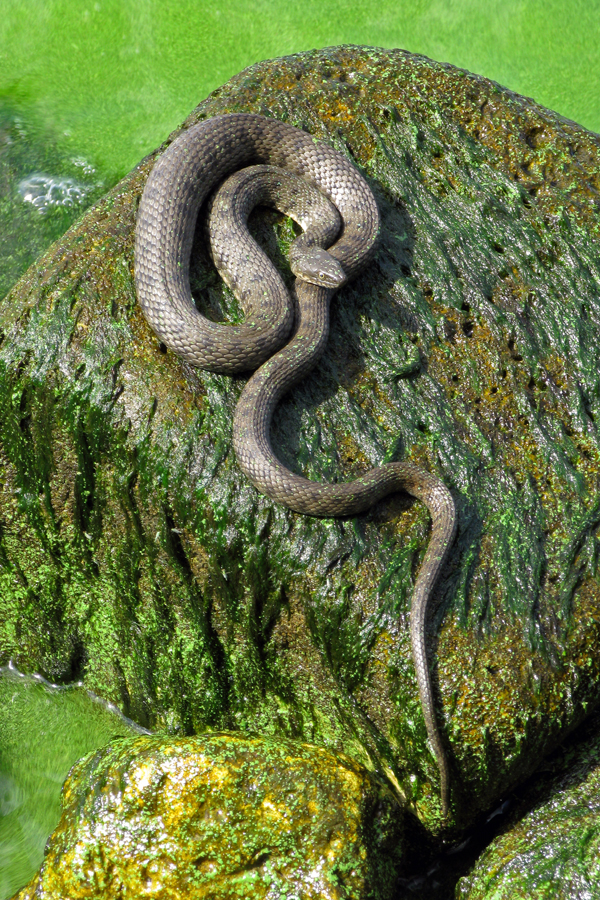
(136, 557)
(221, 816)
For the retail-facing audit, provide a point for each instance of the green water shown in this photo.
(43, 731)
(86, 89)
(113, 77)
(42, 190)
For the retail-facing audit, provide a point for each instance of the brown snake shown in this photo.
(192, 166)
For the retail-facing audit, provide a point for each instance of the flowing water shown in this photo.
(88, 88)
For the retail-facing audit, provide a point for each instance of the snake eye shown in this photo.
(321, 274)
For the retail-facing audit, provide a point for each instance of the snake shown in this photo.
(278, 343)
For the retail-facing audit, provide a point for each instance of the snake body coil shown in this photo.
(181, 179)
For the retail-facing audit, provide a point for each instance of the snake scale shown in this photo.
(191, 168)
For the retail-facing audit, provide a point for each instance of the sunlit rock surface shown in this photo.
(550, 850)
(136, 557)
(217, 817)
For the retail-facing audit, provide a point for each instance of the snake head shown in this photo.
(317, 267)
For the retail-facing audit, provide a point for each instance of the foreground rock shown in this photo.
(551, 848)
(135, 556)
(220, 816)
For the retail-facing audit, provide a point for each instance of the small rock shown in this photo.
(221, 815)
(550, 848)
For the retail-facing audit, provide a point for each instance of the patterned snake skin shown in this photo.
(181, 179)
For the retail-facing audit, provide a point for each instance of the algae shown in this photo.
(44, 730)
(42, 191)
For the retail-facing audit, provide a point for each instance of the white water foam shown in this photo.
(46, 191)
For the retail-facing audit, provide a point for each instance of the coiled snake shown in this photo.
(192, 166)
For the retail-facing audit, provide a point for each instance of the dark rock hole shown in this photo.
(259, 860)
(198, 863)
(77, 664)
(531, 137)
(511, 346)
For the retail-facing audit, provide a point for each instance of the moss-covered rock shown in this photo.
(221, 816)
(550, 848)
(135, 556)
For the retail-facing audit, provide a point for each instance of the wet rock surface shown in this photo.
(549, 848)
(135, 556)
(221, 816)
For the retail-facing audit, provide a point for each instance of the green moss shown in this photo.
(469, 346)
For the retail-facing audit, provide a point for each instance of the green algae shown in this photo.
(136, 557)
(220, 816)
(44, 730)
